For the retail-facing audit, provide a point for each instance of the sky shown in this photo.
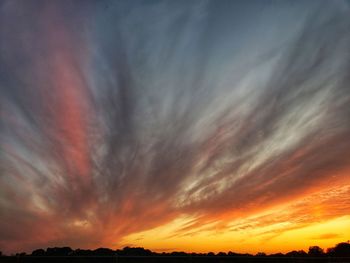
(174, 125)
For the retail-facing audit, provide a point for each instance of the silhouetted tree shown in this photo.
(315, 251)
(178, 253)
(84, 252)
(294, 253)
(340, 250)
(59, 251)
(136, 251)
(277, 255)
(103, 252)
(38, 252)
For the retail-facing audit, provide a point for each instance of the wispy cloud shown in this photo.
(327, 236)
(120, 117)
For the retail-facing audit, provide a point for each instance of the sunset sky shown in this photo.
(185, 125)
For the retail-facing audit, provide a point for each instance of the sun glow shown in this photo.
(248, 241)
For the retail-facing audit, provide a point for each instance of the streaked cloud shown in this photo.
(122, 121)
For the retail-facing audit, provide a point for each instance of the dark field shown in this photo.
(168, 259)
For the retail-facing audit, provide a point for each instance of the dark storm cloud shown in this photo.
(118, 116)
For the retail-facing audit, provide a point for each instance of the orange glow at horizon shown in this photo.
(296, 225)
(243, 242)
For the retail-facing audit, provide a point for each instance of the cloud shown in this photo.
(119, 117)
(327, 236)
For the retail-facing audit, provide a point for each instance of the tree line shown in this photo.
(339, 250)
